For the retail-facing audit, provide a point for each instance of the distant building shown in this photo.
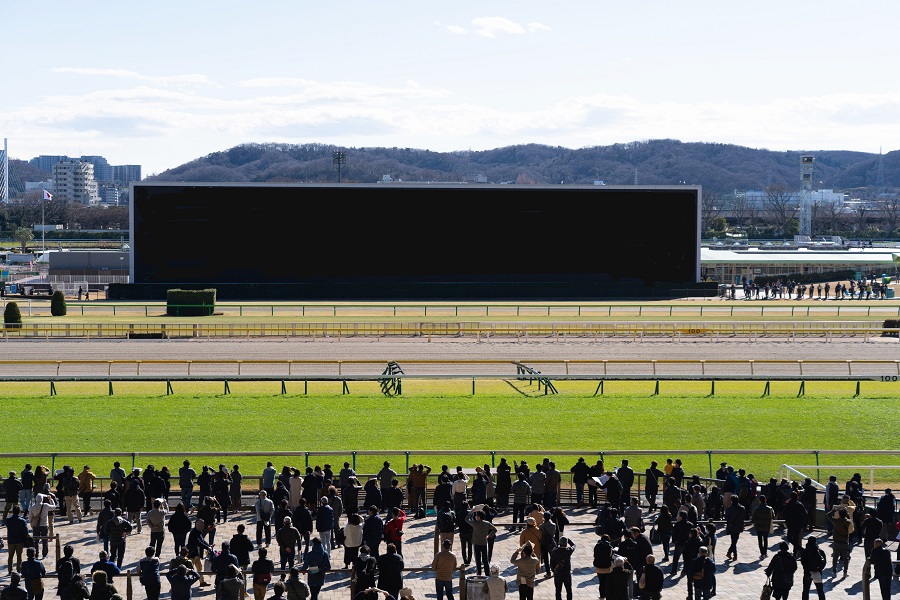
(758, 197)
(46, 162)
(125, 174)
(74, 183)
(103, 171)
(40, 185)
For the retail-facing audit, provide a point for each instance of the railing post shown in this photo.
(462, 582)
(58, 548)
(306, 458)
(129, 589)
(818, 472)
(53, 470)
(133, 460)
(407, 461)
(353, 454)
(493, 456)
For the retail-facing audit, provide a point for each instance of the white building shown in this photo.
(74, 183)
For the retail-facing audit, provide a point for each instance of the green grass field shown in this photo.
(443, 415)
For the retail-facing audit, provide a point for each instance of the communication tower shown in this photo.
(806, 174)
(4, 174)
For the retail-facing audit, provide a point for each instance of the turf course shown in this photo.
(443, 415)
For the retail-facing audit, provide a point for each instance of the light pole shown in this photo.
(339, 158)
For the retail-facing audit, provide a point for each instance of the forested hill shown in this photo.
(720, 168)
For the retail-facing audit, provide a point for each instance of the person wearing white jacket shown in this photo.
(39, 516)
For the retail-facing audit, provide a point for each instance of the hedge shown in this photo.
(58, 304)
(190, 303)
(12, 316)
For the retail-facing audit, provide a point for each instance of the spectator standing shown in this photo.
(16, 535)
(241, 547)
(156, 521)
(390, 571)
(148, 567)
(444, 564)
(27, 492)
(265, 510)
(653, 580)
(262, 574)
(702, 573)
(325, 524)
(268, 479)
(12, 485)
(881, 560)
(781, 570)
(527, 566)
(180, 582)
(117, 530)
(317, 564)
(296, 588)
(763, 518)
(33, 573)
(561, 567)
(86, 481)
(813, 561)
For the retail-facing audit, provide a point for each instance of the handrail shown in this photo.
(722, 307)
(595, 330)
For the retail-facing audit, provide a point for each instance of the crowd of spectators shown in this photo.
(314, 519)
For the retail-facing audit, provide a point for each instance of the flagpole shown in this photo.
(43, 228)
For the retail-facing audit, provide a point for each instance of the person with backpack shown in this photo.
(702, 573)
(148, 567)
(561, 566)
(67, 569)
(735, 515)
(33, 572)
(116, 530)
(814, 561)
(763, 516)
(296, 588)
(781, 571)
(445, 524)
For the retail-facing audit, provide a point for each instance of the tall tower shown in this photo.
(4, 174)
(806, 173)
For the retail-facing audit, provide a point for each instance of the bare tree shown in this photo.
(744, 211)
(832, 213)
(780, 205)
(710, 208)
(890, 214)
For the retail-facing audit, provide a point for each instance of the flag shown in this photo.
(48, 196)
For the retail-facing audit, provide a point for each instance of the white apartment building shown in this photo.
(74, 183)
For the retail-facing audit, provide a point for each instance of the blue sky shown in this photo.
(160, 83)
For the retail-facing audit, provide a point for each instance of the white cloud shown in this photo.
(490, 27)
(126, 74)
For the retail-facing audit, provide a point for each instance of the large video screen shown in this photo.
(412, 234)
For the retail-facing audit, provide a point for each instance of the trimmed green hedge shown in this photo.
(12, 316)
(58, 304)
(190, 303)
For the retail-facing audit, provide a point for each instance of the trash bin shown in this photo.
(889, 293)
(475, 587)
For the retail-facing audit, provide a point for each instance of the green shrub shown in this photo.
(190, 303)
(12, 317)
(58, 304)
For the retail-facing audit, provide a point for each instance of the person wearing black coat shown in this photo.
(813, 560)
(561, 565)
(365, 566)
(179, 526)
(651, 483)
(680, 534)
(653, 580)
(390, 571)
(625, 474)
(614, 491)
(373, 531)
(618, 582)
(881, 560)
(603, 556)
(735, 516)
(781, 570)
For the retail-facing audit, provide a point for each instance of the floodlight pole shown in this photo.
(339, 158)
